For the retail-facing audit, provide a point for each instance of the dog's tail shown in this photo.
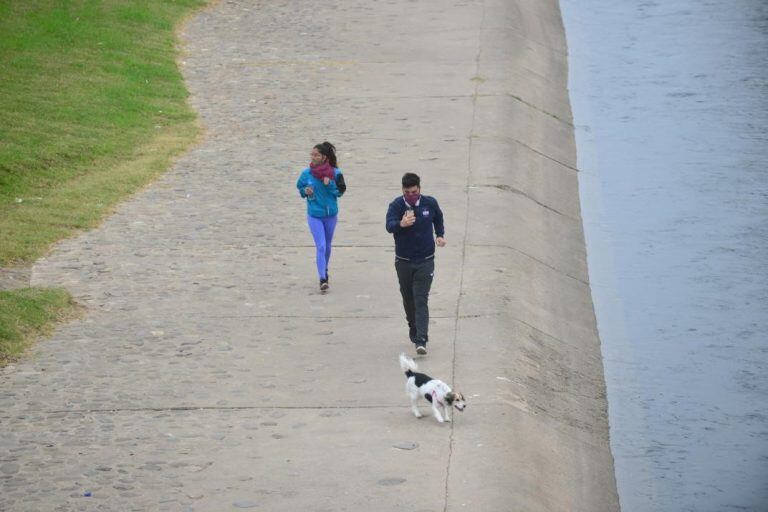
(407, 364)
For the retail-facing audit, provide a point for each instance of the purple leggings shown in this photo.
(322, 231)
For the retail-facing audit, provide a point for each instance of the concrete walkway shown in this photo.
(209, 374)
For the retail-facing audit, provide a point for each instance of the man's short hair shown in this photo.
(411, 180)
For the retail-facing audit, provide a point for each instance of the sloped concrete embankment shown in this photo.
(526, 329)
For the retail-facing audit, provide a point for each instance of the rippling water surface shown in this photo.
(670, 100)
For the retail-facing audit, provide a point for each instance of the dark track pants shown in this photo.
(415, 281)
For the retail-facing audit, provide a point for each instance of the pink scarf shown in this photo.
(324, 170)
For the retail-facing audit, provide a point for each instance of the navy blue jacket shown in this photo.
(415, 243)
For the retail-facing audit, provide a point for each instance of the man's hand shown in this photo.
(408, 220)
(440, 241)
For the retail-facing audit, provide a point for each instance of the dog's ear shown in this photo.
(450, 397)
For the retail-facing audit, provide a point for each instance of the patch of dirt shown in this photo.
(12, 278)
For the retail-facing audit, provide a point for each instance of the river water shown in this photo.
(670, 102)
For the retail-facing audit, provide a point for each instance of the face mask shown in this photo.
(412, 199)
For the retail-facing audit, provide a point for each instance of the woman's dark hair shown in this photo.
(328, 150)
(411, 180)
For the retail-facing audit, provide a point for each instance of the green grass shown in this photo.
(27, 314)
(86, 87)
(92, 108)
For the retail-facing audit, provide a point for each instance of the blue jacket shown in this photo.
(415, 243)
(323, 202)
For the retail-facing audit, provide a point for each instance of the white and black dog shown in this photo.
(435, 391)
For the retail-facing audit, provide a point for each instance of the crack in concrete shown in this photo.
(517, 191)
(534, 150)
(463, 250)
(214, 408)
(538, 330)
(351, 317)
(544, 154)
(116, 410)
(537, 260)
(537, 108)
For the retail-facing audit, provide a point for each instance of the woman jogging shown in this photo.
(321, 184)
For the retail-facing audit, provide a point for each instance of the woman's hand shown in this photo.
(308, 190)
(326, 180)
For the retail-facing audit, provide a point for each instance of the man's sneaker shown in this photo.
(421, 347)
(323, 285)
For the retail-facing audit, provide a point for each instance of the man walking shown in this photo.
(411, 218)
